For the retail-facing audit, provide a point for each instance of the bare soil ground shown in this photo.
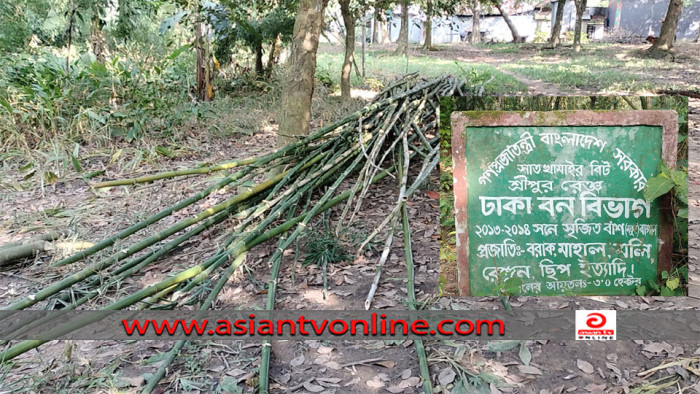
(316, 366)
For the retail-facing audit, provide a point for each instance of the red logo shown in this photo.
(596, 320)
(596, 324)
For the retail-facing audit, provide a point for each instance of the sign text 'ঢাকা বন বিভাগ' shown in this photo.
(600, 264)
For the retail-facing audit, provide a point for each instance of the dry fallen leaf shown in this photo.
(135, 381)
(324, 349)
(238, 372)
(529, 369)
(375, 384)
(386, 364)
(585, 366)
(314, 388)
(433, 195)
(596, 388)
(446, 377)
(284, 378)
(410, 382)
(329, 380)
(297, 361)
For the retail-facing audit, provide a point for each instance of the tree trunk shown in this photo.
(476, 16)
(402, 48)
(389, 25)
(428, 45)
(201, 61)
(668, 27)
(349, 21)
(364, 42)
(259, 68)
(556, 33)
(377, 25)
(69, 33)
(295, 114)
(580, 9)
(97, 40)
(274, 55)
(511, 25)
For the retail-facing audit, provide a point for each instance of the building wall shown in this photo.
(450, 29)
(643, 17)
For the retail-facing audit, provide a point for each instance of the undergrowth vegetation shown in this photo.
(120, 98)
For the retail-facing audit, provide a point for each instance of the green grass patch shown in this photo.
(582, 75)
(601, 67)
(383, 67)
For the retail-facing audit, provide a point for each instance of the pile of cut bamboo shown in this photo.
(396, 129)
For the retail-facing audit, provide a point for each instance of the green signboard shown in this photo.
(557, 208)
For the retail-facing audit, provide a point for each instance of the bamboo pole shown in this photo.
(12, 252)
(173, 174)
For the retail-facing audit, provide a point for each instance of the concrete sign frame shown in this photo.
(463, 121)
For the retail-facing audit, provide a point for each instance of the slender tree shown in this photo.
(377, 24)
(429, 10)
(402, 48)
(509, 22)
(349, 19)
(669, 26)
(97, 39)
(295, 114)
(580, 9)
(476, 16)
(554, 40)
(434, 8)
(205, 90)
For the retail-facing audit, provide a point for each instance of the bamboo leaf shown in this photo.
(524, 354)
(501, 346)
(165, 152)
(177, 52)
(76, 164)
(6, 104)
(95, 116)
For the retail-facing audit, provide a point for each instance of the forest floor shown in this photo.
(28, 206)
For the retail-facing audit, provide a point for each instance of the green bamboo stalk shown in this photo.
(129, 269)
(173, 174)
(276, 260)
(151, 220)
(172, 353)
(121, 304)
